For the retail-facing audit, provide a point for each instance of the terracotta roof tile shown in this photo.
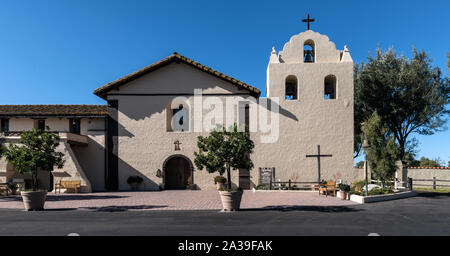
(101, 92)
(52, 110)
(428, 167)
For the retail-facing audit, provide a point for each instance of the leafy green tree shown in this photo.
(411, 160)
(383, 151)
(223, 150)
(410, 96)
(360, 164)
(426, 162)
(36, 150)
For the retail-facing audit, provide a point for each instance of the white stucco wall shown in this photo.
(82, 162)
(311, 120)
(417, 173)
(144, 143)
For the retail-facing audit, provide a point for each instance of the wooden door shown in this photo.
(178, 173)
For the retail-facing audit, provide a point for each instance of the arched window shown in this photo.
(330, 87)
(177, 118)
(309, 54)
(291, 88)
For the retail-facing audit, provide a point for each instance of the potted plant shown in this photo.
(34, 152)
(222, 151)
(12, 186)
(134, 181)
(219, 181)
(343, 190)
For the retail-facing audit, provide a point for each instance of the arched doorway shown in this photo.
(178, 172)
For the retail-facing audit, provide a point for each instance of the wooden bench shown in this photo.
(68, 184)
(329, 187)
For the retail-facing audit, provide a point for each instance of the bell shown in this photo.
(308, 56)
(290, 90)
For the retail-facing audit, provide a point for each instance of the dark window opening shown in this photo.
(180, 123)
(330, 87)
(41, 124)
(291, 88)
(74, 125)
(4, 125)
(247, 117)
(244, 116)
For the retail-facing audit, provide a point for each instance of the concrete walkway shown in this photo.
(175, 200)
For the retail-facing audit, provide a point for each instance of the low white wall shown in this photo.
(441, 173)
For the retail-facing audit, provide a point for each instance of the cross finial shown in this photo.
(308, 20)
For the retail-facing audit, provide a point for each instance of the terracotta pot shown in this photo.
(231, 201)
(219, 185)
(34, 200)
(343, 195)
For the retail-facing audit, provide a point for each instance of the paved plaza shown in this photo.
(174, 200)
(425, 214)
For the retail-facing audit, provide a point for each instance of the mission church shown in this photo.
(309, 81)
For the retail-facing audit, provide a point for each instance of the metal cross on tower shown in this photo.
(308, 20)
(318, 160)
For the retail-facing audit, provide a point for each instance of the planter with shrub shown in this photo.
(223, 150)
(220, 181)
(343, 191)
(35, 151)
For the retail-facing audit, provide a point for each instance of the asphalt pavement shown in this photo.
(425, 214)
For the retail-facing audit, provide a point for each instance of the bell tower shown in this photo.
(313, 82)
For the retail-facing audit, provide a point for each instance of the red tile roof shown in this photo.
(52, 110)
(427, 167)
(173, 58)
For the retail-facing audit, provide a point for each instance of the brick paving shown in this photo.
(175, 200)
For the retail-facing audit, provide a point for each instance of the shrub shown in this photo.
(357, 185)
(353, 192)
(262, 187)
(344, 187)
(12, 186)
(220, 179)
(379, 191)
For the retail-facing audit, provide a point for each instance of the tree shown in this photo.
(36, 150)
(448, 60)
(411, 160)
(223, 150)
(383, 151)
(426, 162)
(410, 96)
(360, 164)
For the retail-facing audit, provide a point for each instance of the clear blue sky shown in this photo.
(58, 52)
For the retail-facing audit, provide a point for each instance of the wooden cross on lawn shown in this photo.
(308, 20)
(318, 160)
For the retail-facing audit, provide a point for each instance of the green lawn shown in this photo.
(438, 190)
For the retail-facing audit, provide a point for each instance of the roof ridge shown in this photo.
(127, 78)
